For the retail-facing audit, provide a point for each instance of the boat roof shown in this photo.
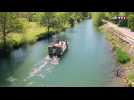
(59, 46)
(56, 44)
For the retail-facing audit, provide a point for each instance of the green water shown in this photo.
(88, 62)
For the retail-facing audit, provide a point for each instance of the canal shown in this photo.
(88, 62)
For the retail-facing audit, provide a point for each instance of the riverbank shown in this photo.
(124, 70)
(32, 33)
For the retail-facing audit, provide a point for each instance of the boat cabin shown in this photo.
(57, 49)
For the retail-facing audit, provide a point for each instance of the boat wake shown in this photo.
(44, 63)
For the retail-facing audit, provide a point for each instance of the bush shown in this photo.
(131, 22)
(122, 56)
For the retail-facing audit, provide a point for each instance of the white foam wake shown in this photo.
(37, 70)
(47, 60)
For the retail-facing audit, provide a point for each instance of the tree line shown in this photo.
(129, 22)
(14, 22)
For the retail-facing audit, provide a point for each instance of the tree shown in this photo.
(58, 21)
(37, 16)
(8, 24)
(48, 20)
(84, 15)
(73, 16)
(97, 18)
(131, 22)
(27, 15)
(61, 21)
(129, 13)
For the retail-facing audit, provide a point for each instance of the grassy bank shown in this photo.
(120, 48)
(121, 52)
(33, 31)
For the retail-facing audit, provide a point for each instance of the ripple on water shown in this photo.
(41, 76)
(11, 79)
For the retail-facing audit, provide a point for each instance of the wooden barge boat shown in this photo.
(58, 48)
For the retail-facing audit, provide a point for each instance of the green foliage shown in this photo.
(48, 20)
(18, 28)
(131, 77)
(131, 22)
(58, 21)
(27, 15)
(122, 14)
(122, 56)
(97, 18)
(31, 34)
(37, 16)
(61, 21)
(84, 14)
(8, 23)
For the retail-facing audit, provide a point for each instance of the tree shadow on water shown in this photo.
(96, 28)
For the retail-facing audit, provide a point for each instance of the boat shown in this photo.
(57, 49)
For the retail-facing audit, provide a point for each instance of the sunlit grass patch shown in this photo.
(30, 35)
(131, 76)
(34, 31)
(15, 39)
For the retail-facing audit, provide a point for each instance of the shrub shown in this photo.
(122, 56)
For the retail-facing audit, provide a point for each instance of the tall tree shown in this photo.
(72, 16)
(8, 24)
(48, 20)
(97, 18)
